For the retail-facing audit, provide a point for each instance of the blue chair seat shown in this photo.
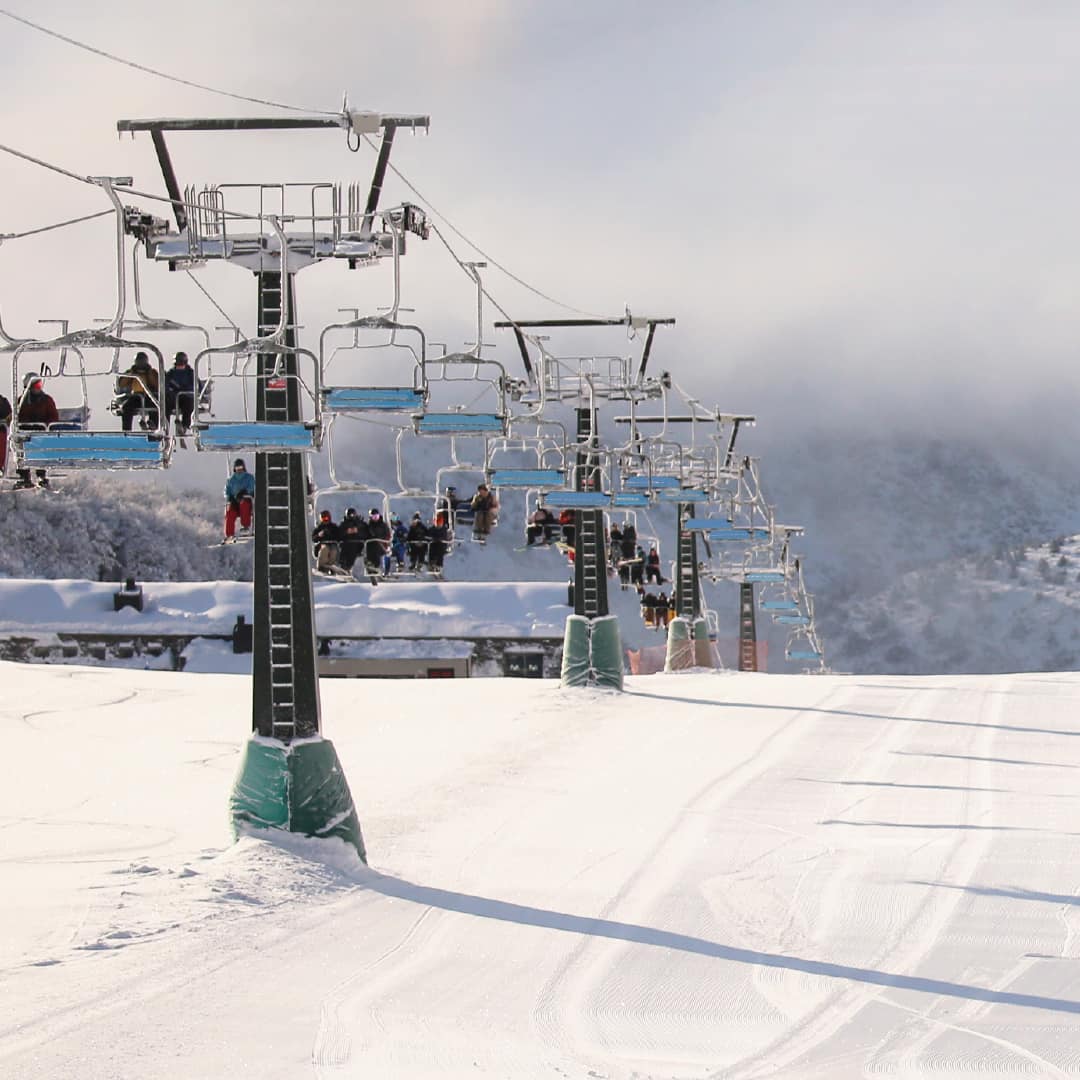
(372, 398)
(720, 535)
(803, 654)
(87, 449)
(257, 435)
(687, 495)
(779, 605)
(791, 620)
(693, 524)
(628, 499)
(578, 500)
(459, 424)
(647, 483)
(763, 575)
(527, 478)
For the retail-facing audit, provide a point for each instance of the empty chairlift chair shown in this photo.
(262, 366)
(344, 388)
(453, 373)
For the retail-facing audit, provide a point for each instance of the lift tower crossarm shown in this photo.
(266, 123)
(350, 120)
(634, 321)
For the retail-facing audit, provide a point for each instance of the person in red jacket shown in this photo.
(38, 411)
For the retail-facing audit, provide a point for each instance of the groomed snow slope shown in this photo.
(710, 875)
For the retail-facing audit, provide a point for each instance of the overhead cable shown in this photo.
(57, 225)
(479, 250)
(154, 71)
(199, 285)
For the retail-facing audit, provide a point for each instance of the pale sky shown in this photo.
(846, 205)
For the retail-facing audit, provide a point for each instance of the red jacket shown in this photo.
(38, 409)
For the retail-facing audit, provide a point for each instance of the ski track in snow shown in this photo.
(708, 876)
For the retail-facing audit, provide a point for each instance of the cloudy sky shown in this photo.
(862, 206)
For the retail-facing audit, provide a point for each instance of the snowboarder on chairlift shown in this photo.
(36, 410)
(615, 544)
(180, 391)
(652, 567)
(353, 534)
(566, 520)
(398, 535)
(325, 537)
(484, 507)
(377, 549)
(139, 385)
(541, 525)
(417, 539)
(239, 500)
(438, 540)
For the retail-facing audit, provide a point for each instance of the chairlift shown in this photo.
(70, 443)
(270, 433)
(454, 372)
(406, 396)
(534, 460)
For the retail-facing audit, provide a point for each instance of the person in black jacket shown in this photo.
(541, 526)
(325, 538)
(417, 541)
(438, 540)
(614, 545)
(377, 548)
(566, 520)
(353, 534)
(180, 391)
(652, 567)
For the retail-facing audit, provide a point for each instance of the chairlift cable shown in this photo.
(117, 187)
(57, 225)
(44, 164)
(160, 74)
(479, 250)
(199, 285)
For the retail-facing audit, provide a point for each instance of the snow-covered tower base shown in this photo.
(290, 777)
(297, 787)
(592, 652)
(688, 645)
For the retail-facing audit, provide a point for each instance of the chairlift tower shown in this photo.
(592, 650)
(290, 777)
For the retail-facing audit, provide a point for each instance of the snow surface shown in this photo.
(709, 875)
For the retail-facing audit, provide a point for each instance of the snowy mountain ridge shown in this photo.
(1015, 609)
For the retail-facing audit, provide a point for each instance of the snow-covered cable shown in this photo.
(56, 225)
(154, 71)
(44, 164)
(199, 285)
(479, 250)
(464, 269)
(191, 207)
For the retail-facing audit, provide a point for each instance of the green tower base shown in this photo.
(680, 646)
(592, 652)
(296, 788)
(703, 654)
